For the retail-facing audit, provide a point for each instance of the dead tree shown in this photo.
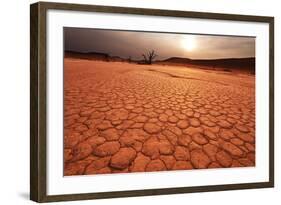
(149, 57)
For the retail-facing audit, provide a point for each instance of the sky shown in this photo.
(133, 44)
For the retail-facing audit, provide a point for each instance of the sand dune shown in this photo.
(241, 65)
(245, 65)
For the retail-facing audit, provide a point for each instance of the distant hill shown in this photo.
(89, 55)
(246, 65)
(227, 64)
(93, 56)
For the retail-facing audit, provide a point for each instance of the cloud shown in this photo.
(131, 43)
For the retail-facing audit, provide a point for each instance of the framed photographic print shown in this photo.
(133, 102)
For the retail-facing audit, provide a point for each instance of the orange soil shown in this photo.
(121, 117)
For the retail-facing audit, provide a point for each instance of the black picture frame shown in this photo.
(38, 100)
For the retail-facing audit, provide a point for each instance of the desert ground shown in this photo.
(123, 117)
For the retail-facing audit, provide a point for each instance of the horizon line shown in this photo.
(94, 52)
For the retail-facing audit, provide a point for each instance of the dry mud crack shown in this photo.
(121, 117)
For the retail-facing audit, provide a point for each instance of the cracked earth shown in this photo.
(121, 117)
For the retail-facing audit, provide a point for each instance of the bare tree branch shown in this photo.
(145, 59)
(149, 57)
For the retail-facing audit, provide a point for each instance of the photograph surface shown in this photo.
(147, 101)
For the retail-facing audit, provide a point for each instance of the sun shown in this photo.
(189, 43)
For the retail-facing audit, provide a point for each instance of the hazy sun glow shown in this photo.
(189, 43)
